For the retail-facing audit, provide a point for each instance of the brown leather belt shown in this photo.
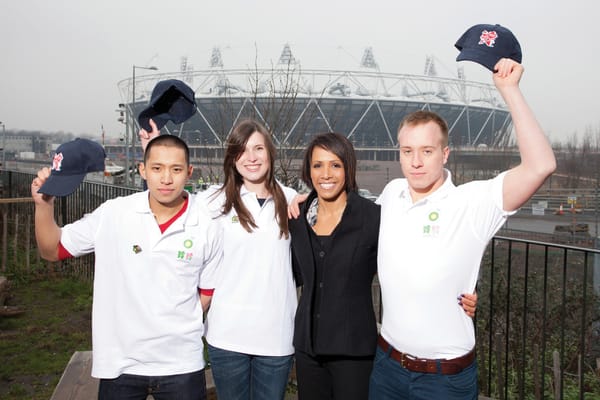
(424, 365)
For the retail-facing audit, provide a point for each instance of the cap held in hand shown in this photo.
(171, 100)
(71, 162)
(487, 44)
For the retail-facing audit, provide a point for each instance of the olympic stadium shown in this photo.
(294, 102)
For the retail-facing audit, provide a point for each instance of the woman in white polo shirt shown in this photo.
(251, 317)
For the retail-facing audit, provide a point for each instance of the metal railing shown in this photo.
(17, 222)
(538, 317)
(538, 320)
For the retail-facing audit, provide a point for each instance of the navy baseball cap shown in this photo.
(171, 100)
(71, 162)
(487, 44)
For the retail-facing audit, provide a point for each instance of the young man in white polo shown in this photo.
(153, 250)
(431, 240)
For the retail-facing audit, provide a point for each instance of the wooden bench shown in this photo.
(76, 382)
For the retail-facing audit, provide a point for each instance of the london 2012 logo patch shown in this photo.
(57, 161)
(488, 38)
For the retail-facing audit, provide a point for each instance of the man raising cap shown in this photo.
(431, 240)
(153, 250)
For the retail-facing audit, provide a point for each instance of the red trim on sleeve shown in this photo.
(62, 252)
(206, 292)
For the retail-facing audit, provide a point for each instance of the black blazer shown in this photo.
(347, 324)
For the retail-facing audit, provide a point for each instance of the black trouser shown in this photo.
(333, 377)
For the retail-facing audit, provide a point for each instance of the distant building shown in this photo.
(39, 143)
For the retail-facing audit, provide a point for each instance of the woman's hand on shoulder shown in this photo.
(294, 205)
(469, 303)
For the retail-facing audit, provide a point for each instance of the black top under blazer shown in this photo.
(347, 324)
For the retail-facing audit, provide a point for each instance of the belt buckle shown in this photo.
(406, 359)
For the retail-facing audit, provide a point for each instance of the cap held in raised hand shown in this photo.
(71, 162)
(171, 100)
(486, 44)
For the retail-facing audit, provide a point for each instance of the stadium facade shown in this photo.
(364, 104)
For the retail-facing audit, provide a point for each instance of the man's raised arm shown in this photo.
(47, 232)
(537, 158)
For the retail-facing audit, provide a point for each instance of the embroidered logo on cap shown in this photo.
(488, 38)
(57, 161)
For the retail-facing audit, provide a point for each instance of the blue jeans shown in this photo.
(240, 376)
(391, 381)
(190, 386)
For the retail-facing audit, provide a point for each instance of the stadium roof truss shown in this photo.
(367, 106)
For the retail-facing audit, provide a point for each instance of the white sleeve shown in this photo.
(214, 199)
(485, 206)
(79, 237)
(381, 198)
(289, 193)
(213, 254)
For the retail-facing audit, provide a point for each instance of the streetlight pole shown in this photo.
(153, 68)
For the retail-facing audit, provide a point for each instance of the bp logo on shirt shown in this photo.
(431, 228)
(186, 255)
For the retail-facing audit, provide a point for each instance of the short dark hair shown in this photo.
(168, 141)
(422, 117)
(339, 145)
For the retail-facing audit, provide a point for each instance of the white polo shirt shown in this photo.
(430, 253)
(147, 316)
(254, 303)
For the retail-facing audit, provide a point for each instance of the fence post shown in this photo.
(27, 244)
(16, 241)
(556, 369)
(499, 374)
(536, 376)
(4, 239)
(580, 372)
(483, 367)
(595, 342)
(596, 273)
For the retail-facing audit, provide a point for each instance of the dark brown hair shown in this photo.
(236, 145)
(339, 145)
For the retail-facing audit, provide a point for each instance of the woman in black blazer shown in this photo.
(334, 255)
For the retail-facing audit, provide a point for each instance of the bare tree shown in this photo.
(278, 98)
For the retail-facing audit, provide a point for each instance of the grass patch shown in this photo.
(36, 346)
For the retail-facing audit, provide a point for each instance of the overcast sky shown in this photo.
(60, 60)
